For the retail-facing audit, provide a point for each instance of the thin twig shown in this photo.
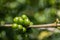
(53, 25)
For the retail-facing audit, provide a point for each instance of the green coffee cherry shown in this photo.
(20, 20)
(14, 26)
(20, 27)
(24, 29)
(24, 17)
(16, 19)
(26, 22)
(31, 23)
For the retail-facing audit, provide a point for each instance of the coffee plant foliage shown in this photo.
(23, 13)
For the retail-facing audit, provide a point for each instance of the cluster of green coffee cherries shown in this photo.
(21, 23)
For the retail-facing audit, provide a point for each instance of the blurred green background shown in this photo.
(38, 11)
